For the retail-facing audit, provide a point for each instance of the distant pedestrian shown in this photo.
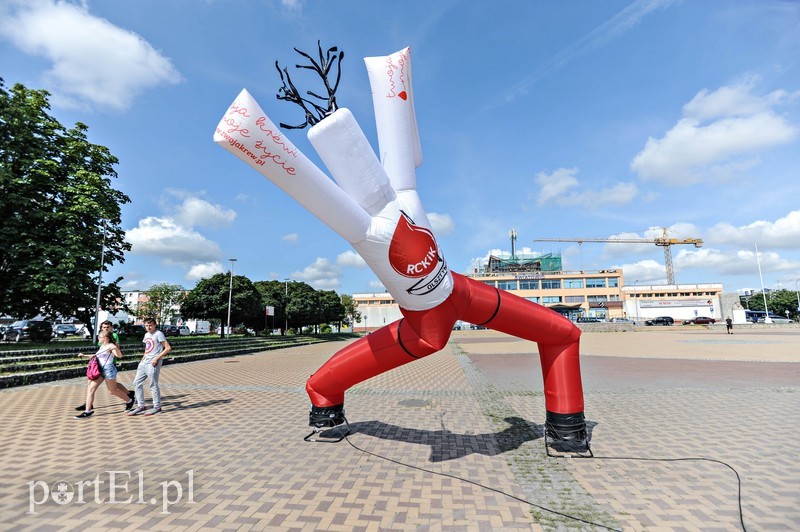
(729, 325)
(155, 348)
(105, 359)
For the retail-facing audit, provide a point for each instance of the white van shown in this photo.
(199, 326)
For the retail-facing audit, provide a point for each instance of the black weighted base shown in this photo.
(328, 434)
(566, 435)
(329, 423)
(327, 417)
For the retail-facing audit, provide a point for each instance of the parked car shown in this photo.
(62, 330)
(130, 330)
(588, 319)
(33, 330)
(170, 330)
(661, 320)
(184, 330)
(776, 319)
(700, 320)
(621, 320)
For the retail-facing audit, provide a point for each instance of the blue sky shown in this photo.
(573, 119)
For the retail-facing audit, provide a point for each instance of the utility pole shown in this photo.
(99, 287)
(230, 298)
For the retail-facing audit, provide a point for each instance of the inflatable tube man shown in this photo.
(374, 205)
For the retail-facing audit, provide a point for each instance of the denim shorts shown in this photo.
(109, 370)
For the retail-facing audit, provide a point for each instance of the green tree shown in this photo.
(754, 302)
(778, 301)
(209, 300)
(331, 308)
(274, 294)
(58, 212)
(303, 307)
(351, 313)
(162, 301)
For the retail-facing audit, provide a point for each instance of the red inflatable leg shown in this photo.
(365, 358)
(557, 339)
(418, 335)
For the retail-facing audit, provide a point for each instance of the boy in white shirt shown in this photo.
(156, 347)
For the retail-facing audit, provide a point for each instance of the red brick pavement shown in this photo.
(230, 444)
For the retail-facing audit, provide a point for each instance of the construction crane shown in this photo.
(664, 241)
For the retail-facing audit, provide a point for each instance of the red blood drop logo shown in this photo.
(403, 95)
(413, 251)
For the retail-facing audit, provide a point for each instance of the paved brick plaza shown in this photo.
(231, 440)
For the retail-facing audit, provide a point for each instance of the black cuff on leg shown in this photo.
(566, 427)
(329, 416)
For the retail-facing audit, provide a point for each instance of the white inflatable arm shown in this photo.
(249, 134)
(398, 136)
(393, 100)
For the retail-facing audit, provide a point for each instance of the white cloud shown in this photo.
(737, 262)
(563, 188)
(292, 5)
(722, 263)
(719, 137)
(133, 281)
(678, 231)
(174, 240)
(351, 258)
(93, 61)
(322, 275)
(291, 237)
(175, 244)
(377, 286)
(556, 184)
(619, 194)
(195, 212)
(783, 233)
(643, 272)
(442, 224)
(611, 250)
(733, 100)
(204, 270)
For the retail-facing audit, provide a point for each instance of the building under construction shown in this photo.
(550, 262)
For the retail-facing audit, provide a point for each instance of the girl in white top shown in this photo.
(105, 358)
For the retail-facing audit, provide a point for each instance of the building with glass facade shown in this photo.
(579, 295)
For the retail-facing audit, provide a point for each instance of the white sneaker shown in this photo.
(136, 411)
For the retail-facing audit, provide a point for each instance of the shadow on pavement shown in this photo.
(448, 445)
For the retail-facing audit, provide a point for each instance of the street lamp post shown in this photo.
(797, 294)
(99, 286)
(767, 319)
(285, 304)
(230, 298)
